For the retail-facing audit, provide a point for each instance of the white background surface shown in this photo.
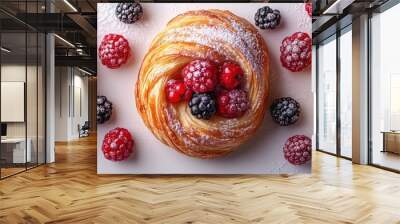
(261, 155)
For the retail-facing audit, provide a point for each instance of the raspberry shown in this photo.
(114, 51)
(233, 103)
(297, 149)
(200, 76)
(296, 52)
(308, 8)
(230, 76)
(176, 91)
(117, 144)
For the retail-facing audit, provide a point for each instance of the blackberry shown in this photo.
(285, 111)
(203, 105)
(104, 109)
(129, 12)
(267, 18)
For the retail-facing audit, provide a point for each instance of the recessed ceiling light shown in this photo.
(70, 5)
(5, 50)
(337, 7)
(84, 71)
(64, 40)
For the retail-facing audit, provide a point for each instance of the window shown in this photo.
(346, 92)
(385, 89)
(334, 94)
(327, 96)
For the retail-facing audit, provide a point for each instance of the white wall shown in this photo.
(70, 109)
(33, 127)
(62, 81)
(80, 110)
(16, 73)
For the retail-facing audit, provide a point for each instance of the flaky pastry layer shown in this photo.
(207, 34)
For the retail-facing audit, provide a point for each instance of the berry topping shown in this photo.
(308, 8)
(267, 18)
(297, 149)
(129, 12)
(114, 50)
(104, 109)
(285, 111)
(230, 76)
(296, 52)
(200, 76)
(233, 103)
(176, 91)
(117, 144)
(202, 105)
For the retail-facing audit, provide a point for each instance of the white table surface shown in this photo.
(19, 151)
(12, 140)
(261, 155)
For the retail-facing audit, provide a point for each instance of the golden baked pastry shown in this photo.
(217, 36)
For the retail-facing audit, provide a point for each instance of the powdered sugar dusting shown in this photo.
(217, 37)
(251, 42)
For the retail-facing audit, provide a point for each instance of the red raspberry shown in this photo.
(200, 76)
(233, 103)
(176, 91)
(230, 76)
(114, 50)
(297, 149)
(117, 144)
(296, 52)
(308, 8)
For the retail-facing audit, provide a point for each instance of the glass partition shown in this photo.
(13, 95)
(22, 78)
(31, 100)
(41, 97)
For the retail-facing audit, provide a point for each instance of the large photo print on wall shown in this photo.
(204, 88)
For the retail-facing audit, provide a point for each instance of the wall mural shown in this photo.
(204, 88)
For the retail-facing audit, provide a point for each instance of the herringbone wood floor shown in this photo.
(69, 191)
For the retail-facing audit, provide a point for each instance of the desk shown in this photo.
(17, 152)
(391, 141)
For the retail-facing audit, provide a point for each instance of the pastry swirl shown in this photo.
(214, 35)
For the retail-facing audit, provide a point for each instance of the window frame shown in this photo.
(334, 37)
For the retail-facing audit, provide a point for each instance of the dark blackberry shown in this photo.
(285, 111)
(129, 12)
(267, 18)
(203, 105)
(104, 109)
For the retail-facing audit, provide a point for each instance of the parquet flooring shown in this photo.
(10, 171)
(70, 191)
